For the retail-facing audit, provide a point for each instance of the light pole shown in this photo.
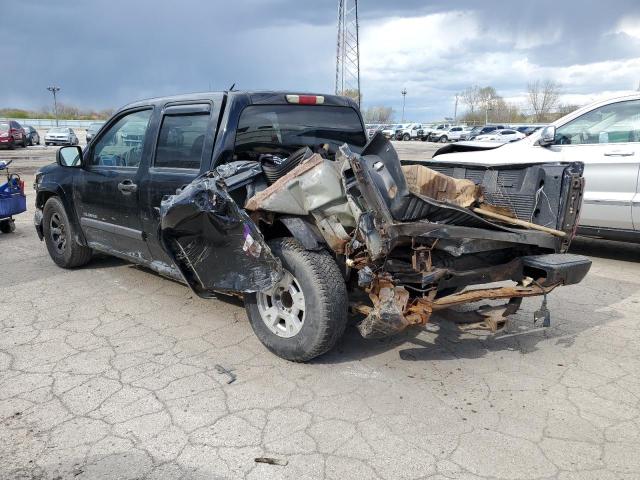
(404, 96)
(486, 115)
(55, 90)
(455, 111)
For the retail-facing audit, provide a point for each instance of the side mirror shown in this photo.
(70, 156)
(547, 136)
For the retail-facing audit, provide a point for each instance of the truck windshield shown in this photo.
(286, 128)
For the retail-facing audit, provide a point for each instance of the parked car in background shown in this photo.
(528, 129)
(61, 136)
(389, 131)
(503, 135)
(12, 134)
(451, 134)
(425, 131)
(93, 129)
(605, 136)
(438, 130)
(408, 131)
(483, 130)
(33, 138)
(465, 132)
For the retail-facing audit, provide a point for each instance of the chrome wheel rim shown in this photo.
(57, 233)
(282, 309)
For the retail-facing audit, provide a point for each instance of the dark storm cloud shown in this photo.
(106, 53)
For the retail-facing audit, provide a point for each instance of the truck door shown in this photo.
(182, 151)
(607, 140)
(106, 189)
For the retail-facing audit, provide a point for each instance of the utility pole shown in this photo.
(486, 114)
(55, 90)
(455, 110)
(404, 95)
(348, 51)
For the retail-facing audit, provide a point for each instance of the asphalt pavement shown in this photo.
(113, 372)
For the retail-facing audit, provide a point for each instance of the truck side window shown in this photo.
(181, 140)
(121, 145)
(613, 123)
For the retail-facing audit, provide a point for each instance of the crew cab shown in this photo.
(605, 136)
(280, 198)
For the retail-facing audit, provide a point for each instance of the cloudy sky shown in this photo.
(105, 53)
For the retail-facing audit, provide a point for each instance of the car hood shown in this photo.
(491, 153)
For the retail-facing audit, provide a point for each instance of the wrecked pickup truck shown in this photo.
(280, 198)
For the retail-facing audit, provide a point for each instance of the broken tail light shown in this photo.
(306, 99)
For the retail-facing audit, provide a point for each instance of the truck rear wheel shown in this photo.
(60, 237)
(305, 314)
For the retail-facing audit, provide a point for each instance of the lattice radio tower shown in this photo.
(348, 50)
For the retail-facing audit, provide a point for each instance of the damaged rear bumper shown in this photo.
(393, 309)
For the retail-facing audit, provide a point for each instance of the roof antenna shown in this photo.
(231, 88)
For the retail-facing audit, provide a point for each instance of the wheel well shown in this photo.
(299, 228)
(275, 230)
(42, 198)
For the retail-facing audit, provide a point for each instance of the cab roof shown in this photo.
(257, 97)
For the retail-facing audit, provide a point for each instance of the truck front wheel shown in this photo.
(406, 137)
(305, 314)
(59, 235)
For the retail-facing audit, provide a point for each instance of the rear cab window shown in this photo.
(283, 129)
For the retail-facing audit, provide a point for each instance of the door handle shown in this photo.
(619, 154)
(127, 187)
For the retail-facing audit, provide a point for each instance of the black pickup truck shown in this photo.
(280, 198)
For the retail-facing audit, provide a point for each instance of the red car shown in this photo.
(12, 133)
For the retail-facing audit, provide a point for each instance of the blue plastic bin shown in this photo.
(12, 204)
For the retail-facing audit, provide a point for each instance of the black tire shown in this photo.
(12, 144)
(444, 139)
(24, 142)
(59, 235)
(406, 137)
(7, 226)
(325, 300)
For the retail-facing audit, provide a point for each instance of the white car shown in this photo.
(408, 131)
(452, 133)
(504, 135)
(438, 131)
(605, 136)
(61, 136)
(389, 131)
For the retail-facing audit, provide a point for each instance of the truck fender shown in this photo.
(214, 243)
(46, 190)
